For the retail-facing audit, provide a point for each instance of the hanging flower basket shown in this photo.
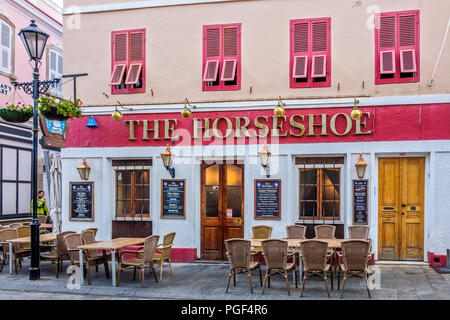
(62, 110)
(16, 113)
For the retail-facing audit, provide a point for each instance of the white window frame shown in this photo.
(9, 69)
(52, 74)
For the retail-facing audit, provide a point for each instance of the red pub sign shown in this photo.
(379, 123)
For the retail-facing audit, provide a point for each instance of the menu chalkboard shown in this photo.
(82, 201)
(173, 199)
(360, 205)
(267, 199)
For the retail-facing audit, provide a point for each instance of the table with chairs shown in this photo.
(317, 256)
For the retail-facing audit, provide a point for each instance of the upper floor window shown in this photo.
(6, 39)
(310, 53)
(55, 69)
(222, 57)
(397, 47)
(128, 61)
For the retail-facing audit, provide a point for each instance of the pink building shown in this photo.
(16, 139)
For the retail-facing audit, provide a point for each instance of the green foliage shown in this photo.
(63, 107)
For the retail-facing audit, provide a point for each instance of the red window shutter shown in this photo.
(119, 56)
(299, 49)
(134, 73)
(211, 52)
(320, 48)
(300, 69)
(211, 69)
(407, 38)
(136, 57)
(387, 61)
(228, 70)
(319, 66)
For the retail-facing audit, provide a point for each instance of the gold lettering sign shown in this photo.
(295, 126)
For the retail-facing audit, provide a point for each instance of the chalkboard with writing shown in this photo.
(267, 199)
(173, 197)
(360, 201)
(82, 201)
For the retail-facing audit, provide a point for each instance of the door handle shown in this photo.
(403, 213)
(403, 205)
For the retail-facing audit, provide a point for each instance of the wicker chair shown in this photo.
(22, 232)
(42, 218)
(74, 240)
(296, 232)
(355, 255)
(315, 257)
(324, 232)
(276, 254)
(146, 259)
(88, 237)
(163, 253)
(18, 252)
(59, 252)
(238, 252)
(93, 229)
(358, 232)
(262, 232)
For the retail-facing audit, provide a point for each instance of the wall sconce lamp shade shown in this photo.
(264, 156)
(167, 159)
(361, 167)
(84, 170)
(34, 40)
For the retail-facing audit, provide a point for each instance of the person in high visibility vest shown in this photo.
(42, 205)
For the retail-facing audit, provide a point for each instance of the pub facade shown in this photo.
(183, 132)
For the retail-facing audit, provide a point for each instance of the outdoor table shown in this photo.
(46, 226)
(112, 245)
(46, 237)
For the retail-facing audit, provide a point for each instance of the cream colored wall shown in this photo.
(174, 49)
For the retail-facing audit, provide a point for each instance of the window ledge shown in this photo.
(11, 76)
(319, 221)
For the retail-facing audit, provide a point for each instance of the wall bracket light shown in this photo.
(356, 114)
(84, 170)
(279, 110)
(167, 159)
(264, 157)
(361, 167)
(117, 115)
(186, 112)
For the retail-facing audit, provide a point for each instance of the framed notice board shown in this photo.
(173, 198)
(267, 199)
(81, 201)
(360, 201)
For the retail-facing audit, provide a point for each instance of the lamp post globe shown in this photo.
(34, 40)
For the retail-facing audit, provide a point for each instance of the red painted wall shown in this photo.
(387, 123)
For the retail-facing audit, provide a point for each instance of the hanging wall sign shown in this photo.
(360, 201)
(81, 201)
(173, 198)
(54, 132)
(267, 199)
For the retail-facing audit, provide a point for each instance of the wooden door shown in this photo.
(222, 208)
(400, 208)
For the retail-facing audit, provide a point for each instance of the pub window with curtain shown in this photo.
(319, 189)
(132, 188)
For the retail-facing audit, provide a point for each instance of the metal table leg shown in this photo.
(81, 267)
(113, 267)
(10, 258)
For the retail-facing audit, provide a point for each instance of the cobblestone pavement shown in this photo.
(208, 281)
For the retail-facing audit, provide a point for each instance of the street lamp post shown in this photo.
(34, 41)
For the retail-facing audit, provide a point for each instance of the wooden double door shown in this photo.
(222, 207)
(401, 208)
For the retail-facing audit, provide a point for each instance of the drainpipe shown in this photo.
(448, 258)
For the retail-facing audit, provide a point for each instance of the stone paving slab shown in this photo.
(208, 281)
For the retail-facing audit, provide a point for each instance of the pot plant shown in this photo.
(63, 110)
(18, 113)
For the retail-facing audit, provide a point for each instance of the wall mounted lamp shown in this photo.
(167, 159)
(361, 167)
(117, 115)
(186, 112)
(84, 170)
(264, 157)
(279, 110)
(356, 114)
